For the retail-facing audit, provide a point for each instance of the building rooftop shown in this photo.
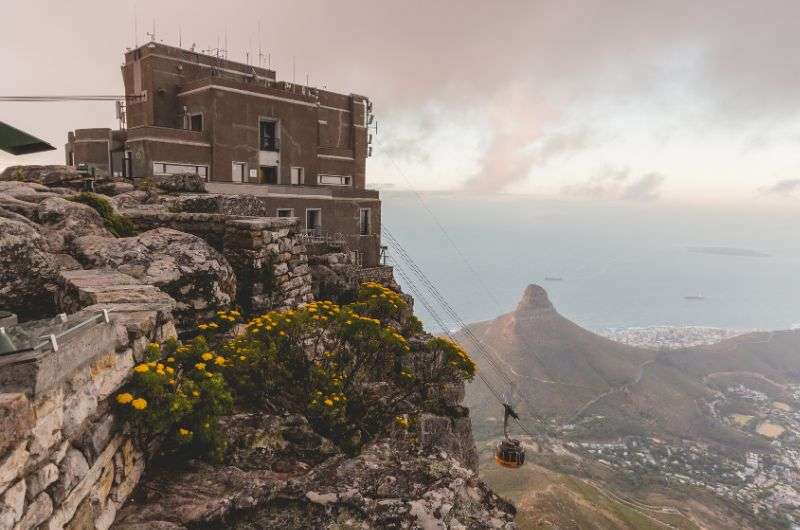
(196, 57)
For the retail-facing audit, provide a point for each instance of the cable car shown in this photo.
(509, 452)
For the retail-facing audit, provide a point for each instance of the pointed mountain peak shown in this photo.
(534, 299)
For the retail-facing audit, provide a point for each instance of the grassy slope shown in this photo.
(548, 499)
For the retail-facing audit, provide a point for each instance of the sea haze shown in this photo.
(620, 264)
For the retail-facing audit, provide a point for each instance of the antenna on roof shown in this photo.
(180, 38)
(153, 34)
(260, 55)
(294, 68)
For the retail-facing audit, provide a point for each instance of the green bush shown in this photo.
(175, 394)
(349, 369)
(119, 225)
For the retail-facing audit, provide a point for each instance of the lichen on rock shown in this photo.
(184, 266)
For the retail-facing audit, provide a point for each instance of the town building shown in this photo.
(301, 150)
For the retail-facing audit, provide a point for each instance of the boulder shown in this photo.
(279, 474)
(187, 182)
(74, 219)
(47, 175)
(113, 188)
(62, 221)
(184, 266)
(28, 273)
(134, 199)
(25, 209)
(32, 191)
(263, 452)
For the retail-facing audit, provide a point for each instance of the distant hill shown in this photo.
(558, 365)
(568, 374)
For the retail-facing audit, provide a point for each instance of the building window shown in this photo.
(285, 212)
(298, 175)
(268, 136)
(313, 219)
(364, 227)
(168, 168)
(196, 122)
(334, 180)
(239, 170)
(269, 174)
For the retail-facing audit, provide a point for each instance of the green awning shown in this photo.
(17, 142)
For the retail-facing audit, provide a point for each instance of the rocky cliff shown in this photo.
(277, 469)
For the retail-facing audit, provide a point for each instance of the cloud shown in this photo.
(618, 184)
(784, 187)
(645, 188)
(545, 79)
(523, 137)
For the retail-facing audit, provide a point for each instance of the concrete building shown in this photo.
(302, 150)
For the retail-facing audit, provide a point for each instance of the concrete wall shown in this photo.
(340, 213)
(91, 147)
(65, 461)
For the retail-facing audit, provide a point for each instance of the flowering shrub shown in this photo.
(173, 396)
(454, 355)
(347, 368)
(375, 300)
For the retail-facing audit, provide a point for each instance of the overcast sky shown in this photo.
(622, 100)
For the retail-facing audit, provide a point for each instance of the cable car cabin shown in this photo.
(509, 452)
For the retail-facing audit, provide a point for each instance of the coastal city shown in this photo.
(669, 337)
(761, 479)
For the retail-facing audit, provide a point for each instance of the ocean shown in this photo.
(612, 265)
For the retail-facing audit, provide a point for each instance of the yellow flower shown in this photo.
(141, 368)
(125, 398)
(172, 381)
(203, 327)
(328, 403)
(195, 393)
(139, 404)
(213, 325)
(170, 359)
(282, 333)
(242, 358)
(184, 432)
(200, 366)
(207, 356)
(154, 345)
(170, 370)
(219, 361)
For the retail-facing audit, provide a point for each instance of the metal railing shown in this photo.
(317, 235)
(46, 335)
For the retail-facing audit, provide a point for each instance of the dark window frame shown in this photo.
(192, 118)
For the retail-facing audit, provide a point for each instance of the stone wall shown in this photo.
(266, 253)
(65, 462)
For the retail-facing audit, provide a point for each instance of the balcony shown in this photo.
(269, 144)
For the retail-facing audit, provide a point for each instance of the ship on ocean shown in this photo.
(694, 297)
